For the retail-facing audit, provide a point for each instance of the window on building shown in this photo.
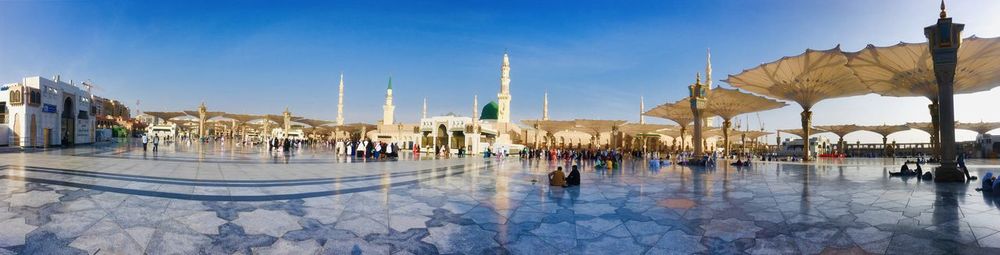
(16, 97)
(83, 115)
(3, 112)
(34, 97)
(93, 110)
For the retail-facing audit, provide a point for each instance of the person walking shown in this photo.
(145, 142)
(156, 142)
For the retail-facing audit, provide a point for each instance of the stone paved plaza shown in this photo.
(191, 199)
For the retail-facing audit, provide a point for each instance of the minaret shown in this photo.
(202, 117)
(708, 82)
(424, 116)
(642, 109)
(503, 113)
(388, 108)
(708, 69)
(340, 102)
(545, 106)
(287, 126)
(475, 111)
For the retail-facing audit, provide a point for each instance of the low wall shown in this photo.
(4, 135)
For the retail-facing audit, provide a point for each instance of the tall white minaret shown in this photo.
(424, 116)
(708, 82)
(642, 109)
(503, 113)
(545, 106)
(475, 110)
(340, 102)
(388, 108)
(708, 69)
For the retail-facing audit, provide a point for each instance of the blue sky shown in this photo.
(595, 58)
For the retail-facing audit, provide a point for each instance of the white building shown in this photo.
(41, 112)
(817, 146)
(452, 132)
(989, 145)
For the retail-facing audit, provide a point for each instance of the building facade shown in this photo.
(47, 112)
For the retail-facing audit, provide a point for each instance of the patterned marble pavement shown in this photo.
(184, 200)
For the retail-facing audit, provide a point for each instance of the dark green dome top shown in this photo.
(489, 111)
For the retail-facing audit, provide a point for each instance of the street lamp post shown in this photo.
(944, 39)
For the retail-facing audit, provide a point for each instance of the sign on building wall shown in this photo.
(82, 131)
(49, 108)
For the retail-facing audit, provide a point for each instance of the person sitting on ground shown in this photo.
(573, 179)
(988, 180)
(996, 185)
(904, 171)
(557, 178)
(927, 176)
(961, 164)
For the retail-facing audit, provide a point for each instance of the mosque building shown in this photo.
(488, 129)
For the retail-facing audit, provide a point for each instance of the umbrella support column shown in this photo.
(841, 145)
(725, 135)
(936, 124)
(885, 148)
(806, 124)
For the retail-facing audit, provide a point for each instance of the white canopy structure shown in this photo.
(906, 70)
(806, 79)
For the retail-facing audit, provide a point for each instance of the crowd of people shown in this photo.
(366, 149)
(905, 171)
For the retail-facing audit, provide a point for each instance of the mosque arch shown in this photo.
(442, 136)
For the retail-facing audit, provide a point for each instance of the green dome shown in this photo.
(489, 111)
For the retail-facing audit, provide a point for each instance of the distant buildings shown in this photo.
(39, 112)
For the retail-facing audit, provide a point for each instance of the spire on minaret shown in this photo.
(642, 109)
(340, 101)
(424, 116)
(697, 78)
(708, 69)
(388, 109)
(943, 13)
(545, 106)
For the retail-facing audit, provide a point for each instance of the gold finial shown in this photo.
(943, 13)
(697, 78)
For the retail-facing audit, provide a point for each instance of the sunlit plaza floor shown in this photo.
(216, 199)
